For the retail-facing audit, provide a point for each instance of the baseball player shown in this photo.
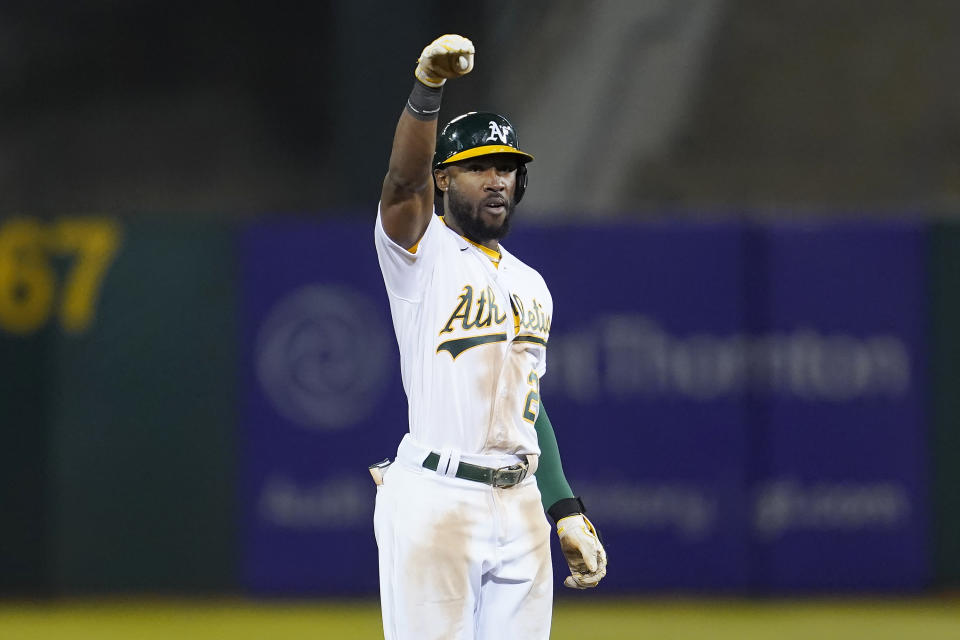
(464, 546)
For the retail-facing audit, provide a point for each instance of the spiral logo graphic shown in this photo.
(322, 357)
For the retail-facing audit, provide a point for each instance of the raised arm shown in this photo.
(406, 202)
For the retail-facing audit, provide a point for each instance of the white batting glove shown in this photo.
(582, 549)
(449, 56)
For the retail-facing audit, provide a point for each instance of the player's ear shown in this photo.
(442, 178)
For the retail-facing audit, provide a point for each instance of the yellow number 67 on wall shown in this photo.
(28, 275)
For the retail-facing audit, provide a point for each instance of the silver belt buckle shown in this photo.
(509, 476)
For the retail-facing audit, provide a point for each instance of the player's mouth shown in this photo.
(495, 205)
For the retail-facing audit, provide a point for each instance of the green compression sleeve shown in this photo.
(550, 479)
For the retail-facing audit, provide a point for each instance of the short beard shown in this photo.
(467, 216)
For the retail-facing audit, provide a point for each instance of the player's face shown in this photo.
(480, 195)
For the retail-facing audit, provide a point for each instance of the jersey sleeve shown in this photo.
(405, 272)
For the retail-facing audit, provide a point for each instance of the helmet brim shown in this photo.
(486, 151)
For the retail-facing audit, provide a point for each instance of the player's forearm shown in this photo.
(406, 202)
(554, 488)
(411, 157)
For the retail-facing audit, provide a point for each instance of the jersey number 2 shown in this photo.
(532, 406)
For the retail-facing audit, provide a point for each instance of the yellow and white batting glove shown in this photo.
(582, 549)
(449, 56)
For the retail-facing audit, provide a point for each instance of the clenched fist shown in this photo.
(449, 56)
(585, 555)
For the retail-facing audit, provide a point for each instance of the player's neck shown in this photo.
(491, 245)
(492, 252)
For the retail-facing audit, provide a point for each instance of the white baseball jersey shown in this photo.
(472, 340)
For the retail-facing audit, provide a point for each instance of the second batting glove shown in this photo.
(581, 547)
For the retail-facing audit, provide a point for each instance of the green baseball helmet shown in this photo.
(480, 134)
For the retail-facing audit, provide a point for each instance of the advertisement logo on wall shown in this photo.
(322, 354)
(621, 355)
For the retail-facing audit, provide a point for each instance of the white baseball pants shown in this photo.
(458, 558)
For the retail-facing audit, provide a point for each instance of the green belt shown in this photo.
(502, 477)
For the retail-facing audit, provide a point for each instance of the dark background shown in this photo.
(243, 108)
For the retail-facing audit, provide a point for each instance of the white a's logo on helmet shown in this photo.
(496, 131)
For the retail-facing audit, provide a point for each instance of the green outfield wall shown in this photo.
(142, 441)
(118, 403)
(945, 364)
(24, 489)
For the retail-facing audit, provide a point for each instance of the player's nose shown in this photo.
(494, 180)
